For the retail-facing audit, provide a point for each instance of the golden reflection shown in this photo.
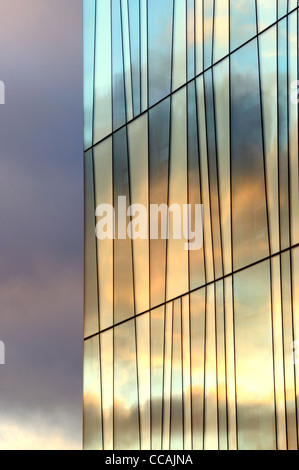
(221, 29)
(230, 363)
(107, 387)
(197, 305)
(186, 373)
(177, 256)
(138, 149)
(176, 428)
(278, 354)
(104, 195)
(205, 181)
(91, 318)
(211, 418)
(196, 257)
(293, 132)
(295, 264)
(157, 348)
(126, 424)
(269, 102)
(92, 396)
(288, 335)
(167, 376)
(159, 160)
(221, 81)
(221, 365)
(254, 358)
(144, 378)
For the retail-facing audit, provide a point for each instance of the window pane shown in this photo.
(283, 143)
(208, 251)
(268, 63)
(213, 173)
(176, 430)
(91, 315)
(208, 32)
(157, 361)
(250, 231)
(254, 359)
(242, 22)
(198, 314)
(179, 45)
(211, 411)
(88, 55)
(267, 11)
(92, 396)
(190, 39)
(177, 256)
(119, 98)
(221, 366)
(186, 345)
(139, 185)
(160, 24)
(103, 103)
(106, 339)
(126, 410)
(104, 195)
(159, 135)
(144, 378)
(123, 262)
(168, 337)
(293, 127)
(222, 116)
(196, 257)
(134, 23)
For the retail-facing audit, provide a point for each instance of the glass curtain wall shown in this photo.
(193, 102)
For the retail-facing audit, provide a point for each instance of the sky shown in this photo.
(41, 224)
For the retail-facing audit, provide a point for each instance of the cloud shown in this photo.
(41, 214)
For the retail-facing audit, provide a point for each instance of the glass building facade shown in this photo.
(193, 102)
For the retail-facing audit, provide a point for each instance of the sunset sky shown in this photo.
(41, 214)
